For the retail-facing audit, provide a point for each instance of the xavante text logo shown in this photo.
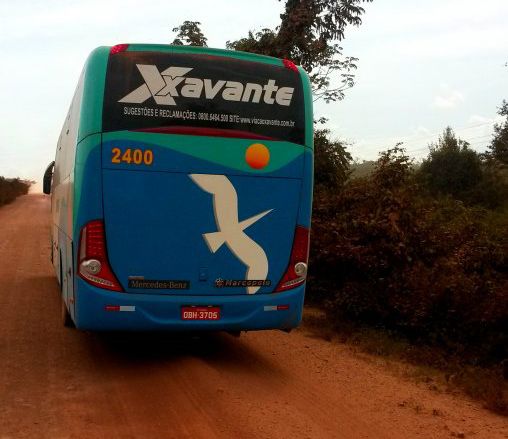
(171, 83)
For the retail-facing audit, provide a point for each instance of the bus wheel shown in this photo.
(64, 312)
(60, 281)
(66, 317)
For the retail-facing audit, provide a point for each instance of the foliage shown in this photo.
(307, 35)
(452, 168)
(189, 34)
(491, 191)
(331, 161)
(386, 254)
(12, 188)
(499, 146)
(362, 169)
(455, 170)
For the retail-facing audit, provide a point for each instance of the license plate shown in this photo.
(200, 313)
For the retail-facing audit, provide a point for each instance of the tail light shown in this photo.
(296, 272)
(93, 259)
(290, 65)
(118, 49)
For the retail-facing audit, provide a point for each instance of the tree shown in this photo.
(499, 146)
(307, 35)
(331, 160)
(451, 168)
(393, 168)
(189, 34)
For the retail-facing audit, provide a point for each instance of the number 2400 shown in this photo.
(136, 156)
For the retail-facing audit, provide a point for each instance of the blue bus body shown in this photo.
(182, 191)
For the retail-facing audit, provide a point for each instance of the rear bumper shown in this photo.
(145, 312)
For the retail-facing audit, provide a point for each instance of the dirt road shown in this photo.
(62, 383)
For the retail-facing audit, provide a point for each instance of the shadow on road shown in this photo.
(125, 351)
(143, 349)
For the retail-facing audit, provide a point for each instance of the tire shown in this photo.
(64, 312)
(66, 317)
(59, 279)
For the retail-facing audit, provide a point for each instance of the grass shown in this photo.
(433, 366)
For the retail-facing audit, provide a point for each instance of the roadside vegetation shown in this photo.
(419, 254)
(11, 188)
(421, 250)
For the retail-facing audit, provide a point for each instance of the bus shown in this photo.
(181, 191)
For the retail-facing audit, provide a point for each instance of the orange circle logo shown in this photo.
(257, 156)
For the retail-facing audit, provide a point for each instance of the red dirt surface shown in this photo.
(63, 383)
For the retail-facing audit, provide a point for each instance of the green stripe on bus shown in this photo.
(222, 151)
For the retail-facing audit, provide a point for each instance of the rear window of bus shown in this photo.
(146, 90)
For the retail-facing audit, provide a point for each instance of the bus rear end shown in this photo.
(206, 177)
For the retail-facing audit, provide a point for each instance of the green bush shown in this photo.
(12, 188)
(453, 169)
(385, 253)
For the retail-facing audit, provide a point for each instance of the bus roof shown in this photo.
(247, 56)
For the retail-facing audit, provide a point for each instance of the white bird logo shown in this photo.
(230, 230)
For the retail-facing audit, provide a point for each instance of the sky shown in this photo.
(422, 66)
